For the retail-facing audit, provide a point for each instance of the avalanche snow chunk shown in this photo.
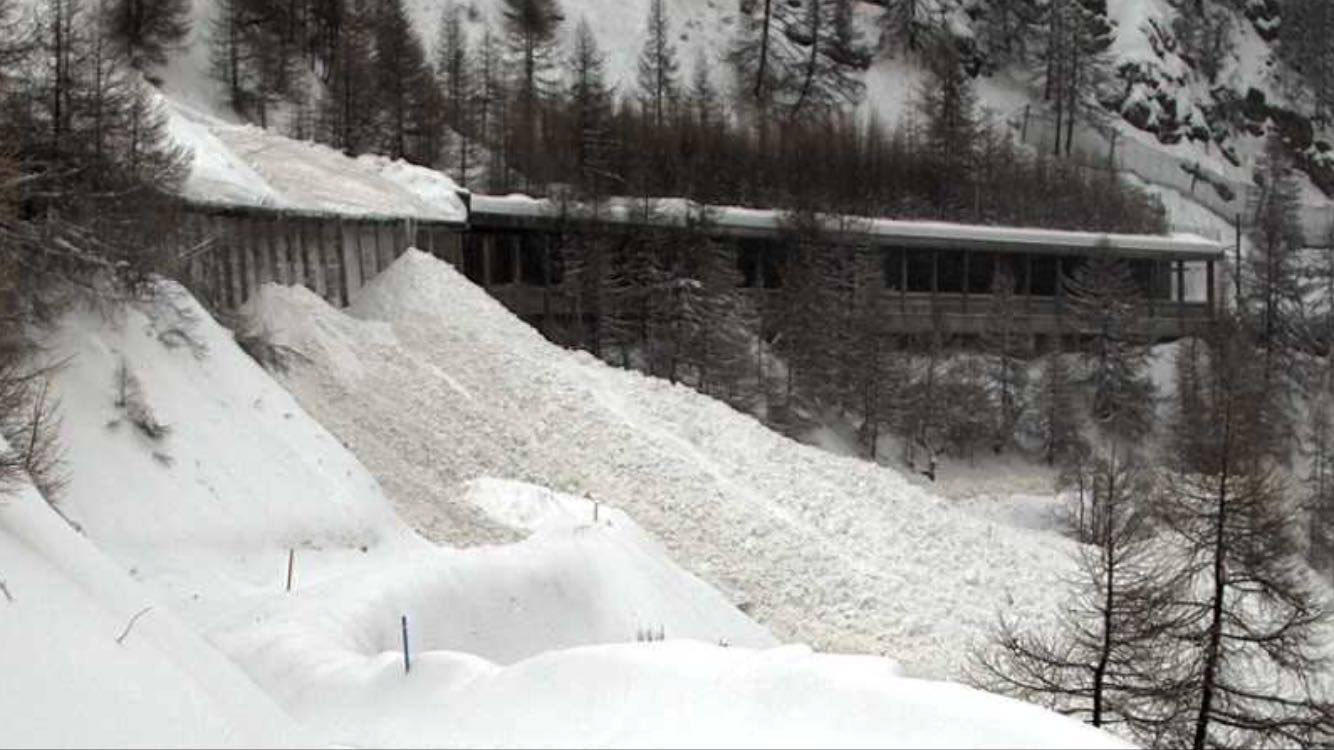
(826, 550)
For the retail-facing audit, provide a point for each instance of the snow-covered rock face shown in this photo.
(832, 551)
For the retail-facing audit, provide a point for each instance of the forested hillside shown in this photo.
(655, 86)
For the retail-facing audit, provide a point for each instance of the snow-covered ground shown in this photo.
(167, 621)
(432, 383)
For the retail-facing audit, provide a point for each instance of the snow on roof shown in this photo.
(248, 166)
(761, 222)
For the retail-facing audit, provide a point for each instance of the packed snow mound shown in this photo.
(826, 550)
(683, 694)
(245, 165)
(64, 606)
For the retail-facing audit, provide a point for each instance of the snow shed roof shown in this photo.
(248, 169)
(521, 211)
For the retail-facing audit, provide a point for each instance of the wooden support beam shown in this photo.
(282, 256)
(1028, 284)
(353, 258)
(296, 247)
(966, 281)
(1181, 296)
(378, 263)
(903, 280)
(1060, 304)
(487, 245)
(264, 252)
(546, 285)
(1153, 287)
(310, 249)
(222, 247)
(516, 260)
(1211, 296)
(252, 258)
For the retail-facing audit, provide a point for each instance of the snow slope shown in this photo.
(68, 682)
(530, 643)
(431, 382)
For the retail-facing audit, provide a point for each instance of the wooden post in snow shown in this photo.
(407, 661)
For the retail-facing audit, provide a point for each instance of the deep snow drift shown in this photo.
(431, 382)
(531, 643)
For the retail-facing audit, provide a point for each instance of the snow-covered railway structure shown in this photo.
(933, 274)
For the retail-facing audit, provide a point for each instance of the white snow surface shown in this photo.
(431, 382)
(245, 165)
(527, 643)
(68, 682)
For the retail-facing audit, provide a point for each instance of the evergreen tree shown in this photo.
(905, 23)
(348, 109)
(1107, 307)
(657, 64)
(589, 101)
(1075, 36)
(458, 81)
(722, 353)
(824, 80)
(1007, 343)
(145, 30)
(402, 85)
(947, 104)
(874, 389)
(795, 56)
(492, 108)
(250, 54)
(531, 31)
(1058, 414)
(1274, 293)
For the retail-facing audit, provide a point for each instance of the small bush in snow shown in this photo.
(649, 634)
(130, 399)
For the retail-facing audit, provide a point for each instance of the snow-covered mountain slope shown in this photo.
(532, 642)
(432, 383)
